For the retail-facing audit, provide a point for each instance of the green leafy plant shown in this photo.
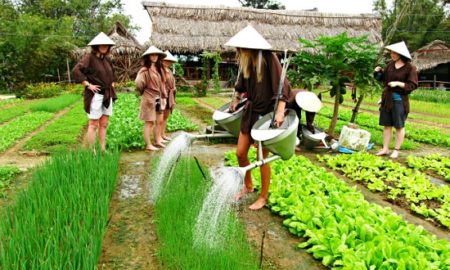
(7, 174)
(436, 163)
(41, 90)
(335, 61)
(55, 104)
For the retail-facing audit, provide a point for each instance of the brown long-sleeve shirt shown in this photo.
(261, 95)
(97, 71)
(149, 83)
(171, 88)
(406, 74)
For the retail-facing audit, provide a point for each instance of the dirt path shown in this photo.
(28, 159)
(130, 241)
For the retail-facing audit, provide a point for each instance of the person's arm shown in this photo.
(140, 80)
(239, 90)
(79, 74)
(275, 70)
(411, 83)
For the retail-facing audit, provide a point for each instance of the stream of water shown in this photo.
(170, 155)
(212, 222)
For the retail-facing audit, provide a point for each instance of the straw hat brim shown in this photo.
(101, 39)
(308, 101)
(249, 38)
(399, 48)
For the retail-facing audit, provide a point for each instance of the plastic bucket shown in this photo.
(230, 121)
(280, 141)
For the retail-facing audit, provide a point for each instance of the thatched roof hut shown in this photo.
(193, 29)
(125, 54)
(431, 55)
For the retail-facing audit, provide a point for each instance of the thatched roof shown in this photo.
(431, 55)
(126, 44)
(192, 29)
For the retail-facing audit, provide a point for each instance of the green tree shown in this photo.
(421, 25)
(37, 36)
(262, 4)
(335, 61)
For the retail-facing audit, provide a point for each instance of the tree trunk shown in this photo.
(356, 109)
(335, 111)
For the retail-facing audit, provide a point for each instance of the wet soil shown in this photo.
(130, 241)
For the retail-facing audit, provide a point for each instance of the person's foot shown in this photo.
(164, 141)
(242, 193)
(166, 138)
(394, 154)
(383, 152)
(160, 144)
(258, 204)
(298, 149)
(151, 148)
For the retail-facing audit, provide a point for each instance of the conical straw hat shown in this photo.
(153, 50)
(170, 57)
(399, 48)
(101, 39)
(249, 38)
(308, 101)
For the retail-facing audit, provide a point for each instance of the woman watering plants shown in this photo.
(171, 90)
(150, 82)
(400, 79)
(259, 79)
(96, 72)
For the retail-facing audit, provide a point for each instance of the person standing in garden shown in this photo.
(171, 90)
(96, 72)
(150, 82)
(259, 79)
(400, 79)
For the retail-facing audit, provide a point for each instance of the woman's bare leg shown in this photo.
(103, 125)
(148, 127)
(92, 132)
(387, 134)
(399, 138)
(243, 145)
(265, 183)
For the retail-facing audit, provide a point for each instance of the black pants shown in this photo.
(309, 117)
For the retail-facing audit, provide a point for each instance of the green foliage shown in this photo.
(399, 183)
(72, 88)
(215, 56)
(179, 122)
(425, 22)
(13, 131)
(435, 96)
(41, 90)
(335, 61)
(60, 135)
(436, 163)
(63, 214)
(38, 36)
(342, 229)
(7, 175)
(55, 104)
(262, 4)
(177, 210)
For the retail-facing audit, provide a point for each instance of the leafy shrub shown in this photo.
(73, 88)
(41, 90)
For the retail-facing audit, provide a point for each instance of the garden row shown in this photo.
(435, 163)
(343, 230)
(398, 183)
(60, 220)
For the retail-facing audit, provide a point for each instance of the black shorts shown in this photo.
(394, 118)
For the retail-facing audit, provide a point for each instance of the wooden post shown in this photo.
(68, 70)
(59, 76)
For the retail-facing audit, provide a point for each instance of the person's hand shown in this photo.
(94, 88)
(234, 105)
(279, 119)
(378, 69)
(395, 84)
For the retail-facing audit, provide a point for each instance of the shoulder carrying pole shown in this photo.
(280, 86)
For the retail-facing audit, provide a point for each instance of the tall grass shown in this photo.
(176, 211)
(59, 222)
(55, 104)
(435, 96)
(61, 134)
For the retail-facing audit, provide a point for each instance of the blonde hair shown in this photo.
(249, 59)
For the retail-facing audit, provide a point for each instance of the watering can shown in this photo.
(228, 120)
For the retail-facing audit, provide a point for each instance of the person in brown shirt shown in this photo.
(259, 79)
(399, 79)
(171, 90)
(150, 82)
(96, 72)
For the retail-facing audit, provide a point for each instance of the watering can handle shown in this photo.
(280, 86)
